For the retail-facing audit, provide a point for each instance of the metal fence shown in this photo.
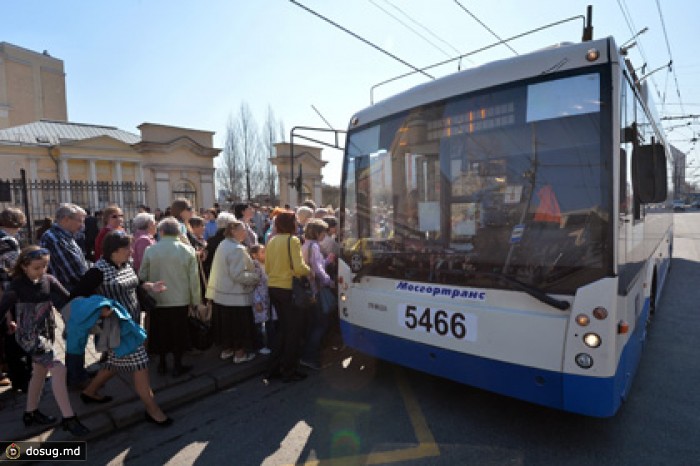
(39, 199)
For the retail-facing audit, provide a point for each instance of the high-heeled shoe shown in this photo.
(87, 399)
(164, 423)
(181, 370)
(73, 425)
(37, 417)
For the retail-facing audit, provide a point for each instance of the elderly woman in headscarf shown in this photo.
(175, 263)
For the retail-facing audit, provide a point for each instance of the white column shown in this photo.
(206, 183)
(139, 180)
(163, 195)
(92, 179)
(118, 179)
(318, 198)
(65, 179)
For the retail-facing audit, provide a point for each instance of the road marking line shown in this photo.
(291, 446)
(426, 442)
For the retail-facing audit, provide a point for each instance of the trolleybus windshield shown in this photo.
(512, 181)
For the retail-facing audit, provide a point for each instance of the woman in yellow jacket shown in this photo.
(284, 360)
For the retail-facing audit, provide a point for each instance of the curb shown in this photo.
(130, 410)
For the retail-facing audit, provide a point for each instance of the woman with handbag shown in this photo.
(230, 288)
(318, 317)
(284, 262)
(113, 277)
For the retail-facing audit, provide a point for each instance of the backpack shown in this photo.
(35, 326)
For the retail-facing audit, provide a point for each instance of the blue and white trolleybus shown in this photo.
(497, 227)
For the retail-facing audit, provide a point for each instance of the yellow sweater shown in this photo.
(277, 268)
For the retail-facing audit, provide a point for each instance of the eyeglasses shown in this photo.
(117, 215)
(189, 208)
(37, 253)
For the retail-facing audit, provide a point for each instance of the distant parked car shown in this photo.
(678, 206)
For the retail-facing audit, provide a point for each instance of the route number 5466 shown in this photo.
(441, 322)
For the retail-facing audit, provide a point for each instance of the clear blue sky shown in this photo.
(191, 63)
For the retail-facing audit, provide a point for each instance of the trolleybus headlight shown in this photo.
(592, 55)
(591, 340)
(582, 320)
(585, 361)
(600, 313)
(343, 298)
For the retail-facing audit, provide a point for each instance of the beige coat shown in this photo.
(176, 264)
(232, 278)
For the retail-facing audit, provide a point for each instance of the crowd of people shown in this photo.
(135, 291)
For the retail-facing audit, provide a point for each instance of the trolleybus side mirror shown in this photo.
(649, 173)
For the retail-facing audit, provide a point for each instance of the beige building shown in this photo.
(32, 86)
(309, 159)
(95, 166)
(90, 165)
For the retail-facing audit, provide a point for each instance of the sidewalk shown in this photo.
(209, 374)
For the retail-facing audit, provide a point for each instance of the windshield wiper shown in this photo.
(533, 291)
(529, 289)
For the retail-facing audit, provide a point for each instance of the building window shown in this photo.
(184, 188)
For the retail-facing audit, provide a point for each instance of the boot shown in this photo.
(37, 417)
(73, 425)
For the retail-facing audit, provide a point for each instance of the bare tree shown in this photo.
(230, 171)
(250, 148)
(244, 170)
(270, 138)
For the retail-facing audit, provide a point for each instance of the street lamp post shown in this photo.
(297, 184)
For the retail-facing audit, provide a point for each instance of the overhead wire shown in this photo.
(484, 26)
(420, 25)
(670, 56)
(626, 14)
(362, 39)
(398, 20)
(633, 30)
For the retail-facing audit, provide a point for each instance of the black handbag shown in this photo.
(200, 333)
(302, 294)
(146, 301)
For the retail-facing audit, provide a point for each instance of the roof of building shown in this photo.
(50, 132)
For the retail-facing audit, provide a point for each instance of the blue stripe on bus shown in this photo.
(591, 396)
(663, 273)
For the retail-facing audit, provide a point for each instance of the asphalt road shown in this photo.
(361, 411)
